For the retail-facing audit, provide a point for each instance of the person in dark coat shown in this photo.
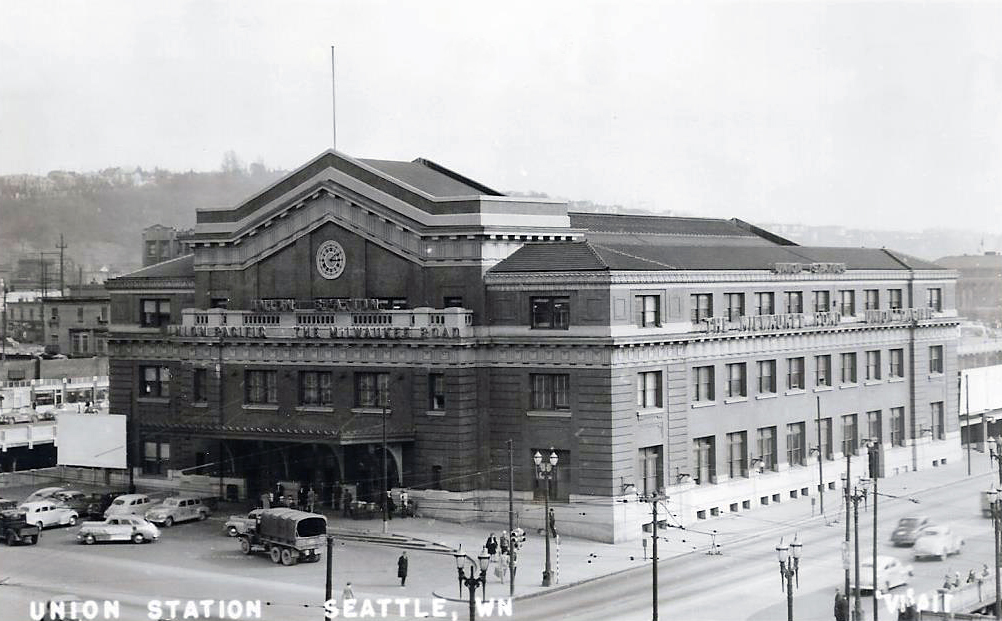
(390, 506)
(841, 606)
(346, 508)
(553, 524)
(503, 543)
(402, 568)
(491, 545)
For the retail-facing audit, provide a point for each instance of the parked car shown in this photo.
(14, 528)
(100, 502)
(45, 493)
(177, 509)
(908, 529)
(939, 541)
(238, 524)
(121, 528)
(8, 503)
(129, 504)
(73, 499)
(890, 573)
(16, 416)
(44, 513)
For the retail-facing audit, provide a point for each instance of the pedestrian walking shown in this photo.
(405, 505)
(491, 545)
(841, 606)
(503, 544)
(514, 561)
(347, 594)
(311, 499)
(301, 497)
(553, 524)
(402, 568)
(390, 505)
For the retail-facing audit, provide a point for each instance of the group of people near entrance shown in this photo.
(305, 499)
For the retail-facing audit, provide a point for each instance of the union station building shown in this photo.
(357, 304)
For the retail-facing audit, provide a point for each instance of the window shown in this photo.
(452, 302)
(898, 426)
(850, 437)
(737, 454)
(766, 440)
(156, 381)
(315, 388)
(701, 306)
(847, 302)
(393, 303)
(550, 391)
(871, 299)
(894, 298)
(155, 313)
(874, 427)
(198, 385)
(554, 313)
(823, 370)
(766, 377)
(794, 373)
(436, 391)
(104, 314)
(897, 363)
(935, 298)
(260, 387)
(703, 461)
(156, 457)
(936, 359)
(849, 368)
(826, 438)
(765, 303)
(737, 385)
(873, 365)
(219, 303)
(794, 302)
(647, 311)
(372, 390)
(651, 469)
(735, 306)
(151, 249)
(80, 342)
(822, 302)
(703, 384)
(795, 444)
(649, 389)
(55, 312)
(938, 421)
(80, 311)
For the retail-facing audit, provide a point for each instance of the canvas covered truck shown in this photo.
(286, 535)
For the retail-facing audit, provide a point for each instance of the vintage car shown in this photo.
(46, 493)
(120, 528)
(73, 499)
(177, 509)
(45, 513)
(8, 503)
(14, 528)
(99, 503)
(16, 416)
(908, 528)
(129, 504)
(939, 541)
(238, 524)
(890, 573)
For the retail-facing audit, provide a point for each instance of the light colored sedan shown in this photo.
(43, 513)
(939, 541)
(890, 573)
(46, 493)
(123, 528)
(177, 509)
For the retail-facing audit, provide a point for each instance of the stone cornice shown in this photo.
(504, 281)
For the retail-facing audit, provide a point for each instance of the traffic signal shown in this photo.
(517, 537)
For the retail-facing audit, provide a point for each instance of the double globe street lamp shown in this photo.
(472, 582)
(789, 569)
(545, 471)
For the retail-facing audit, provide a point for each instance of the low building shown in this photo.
(358, 312)
(979, 286)
(76, 325)
(162, 243)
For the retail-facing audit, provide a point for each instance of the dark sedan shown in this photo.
(908, 530)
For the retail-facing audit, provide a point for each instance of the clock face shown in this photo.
(330, 259)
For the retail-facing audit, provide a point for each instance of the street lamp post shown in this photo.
(858, 494)
(789, 569)
(995, 452)
(472, 582)
(545, 471)
(996, 498)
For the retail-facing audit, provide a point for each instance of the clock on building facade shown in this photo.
(330, 259)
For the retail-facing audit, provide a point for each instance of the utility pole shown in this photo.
(654, 499)
(61, 246)
(511, 518)
(383, 497)
(330, 569)
(821, 461)
(873, 454)
(848, 518)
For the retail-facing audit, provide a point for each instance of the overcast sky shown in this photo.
(871, 115)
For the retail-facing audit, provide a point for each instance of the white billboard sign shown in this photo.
(90, 440)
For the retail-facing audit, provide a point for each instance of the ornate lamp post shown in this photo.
(473, 581)
(789, 569)
(996, 497)
(995, 451)
(545, 471)
(859, 493)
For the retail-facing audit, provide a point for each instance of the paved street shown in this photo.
(196, 561)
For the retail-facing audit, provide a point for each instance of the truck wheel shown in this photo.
(202, 515)
(33, 540)
(40, 526)
(90, 539)
(168, 521)
(72, 521)
(276, 555)
(287, 557)
(138, 538)
(245, 545)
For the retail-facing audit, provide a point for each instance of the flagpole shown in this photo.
(334, 105)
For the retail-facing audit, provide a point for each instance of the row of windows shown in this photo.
(764, 302)
(797, 443)
(736, 383)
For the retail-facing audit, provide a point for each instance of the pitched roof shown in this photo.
(657, 225)
(552, 257)
(431, 178)
(972, 261)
